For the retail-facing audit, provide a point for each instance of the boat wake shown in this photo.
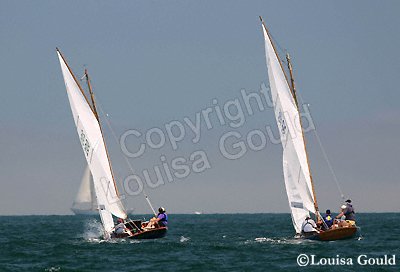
(276, 240)
(112, 241)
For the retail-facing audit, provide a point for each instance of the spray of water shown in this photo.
(93, 231)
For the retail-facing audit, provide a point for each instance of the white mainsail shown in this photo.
(93, 145)
(295, 165)
(85, 193)
(85, 199)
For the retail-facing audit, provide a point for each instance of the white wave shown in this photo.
(53, 269)
(276, 240)
(262, 239)
(184, 239)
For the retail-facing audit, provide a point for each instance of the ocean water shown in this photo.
(207, 242)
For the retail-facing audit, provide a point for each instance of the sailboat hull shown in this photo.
(150, 234)
(156, 233)
(334, 234)
(84, 212)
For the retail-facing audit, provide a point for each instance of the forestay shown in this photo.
(295, 165)
(93, 146)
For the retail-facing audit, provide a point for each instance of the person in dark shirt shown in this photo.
(328, 219)
(348, 212)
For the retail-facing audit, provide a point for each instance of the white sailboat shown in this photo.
(85, 201)
(94, 148)
(298, 179)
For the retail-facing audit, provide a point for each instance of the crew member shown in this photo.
(161, 220)
(348, 212)
(309, 226)
(120, 227)
(162, 217)
(328, 219)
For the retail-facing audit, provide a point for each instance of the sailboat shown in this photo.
(91, 137)
(85, 201)
(297, 174)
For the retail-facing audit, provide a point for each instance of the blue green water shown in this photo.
(219, 242)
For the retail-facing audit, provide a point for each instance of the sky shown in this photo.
(158, 63)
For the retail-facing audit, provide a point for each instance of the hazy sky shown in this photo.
(153, 62)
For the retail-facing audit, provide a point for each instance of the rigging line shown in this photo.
(125, 158)
(325, 155)
(329, 164)
(281, 49)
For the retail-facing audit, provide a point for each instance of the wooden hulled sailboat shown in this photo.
(94, 148)
(298, 180)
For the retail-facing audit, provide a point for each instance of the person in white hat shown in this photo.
(347, 212)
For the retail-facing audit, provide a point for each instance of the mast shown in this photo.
(302, 131)
(101, 129)
(91, 95)
(292, 78)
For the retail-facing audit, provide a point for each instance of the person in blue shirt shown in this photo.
(162, 217)
(328, 219)
(161, 220)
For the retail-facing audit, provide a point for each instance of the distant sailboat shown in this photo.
(94, 148)
(85, 201)
(297, 174)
